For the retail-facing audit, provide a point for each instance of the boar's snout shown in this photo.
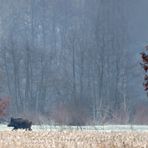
(9, 125)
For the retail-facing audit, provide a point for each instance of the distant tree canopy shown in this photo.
(61, 60)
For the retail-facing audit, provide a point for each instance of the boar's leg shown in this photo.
(30, 129)
(15, 128)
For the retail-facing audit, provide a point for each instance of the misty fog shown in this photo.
(73, 62)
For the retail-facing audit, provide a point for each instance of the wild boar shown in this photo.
(20, 123)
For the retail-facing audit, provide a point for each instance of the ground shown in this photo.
(73, 139)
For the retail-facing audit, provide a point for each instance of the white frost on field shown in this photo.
(106, 128)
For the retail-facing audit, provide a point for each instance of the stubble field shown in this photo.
(73, 139)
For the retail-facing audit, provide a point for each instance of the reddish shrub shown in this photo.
(4, 103)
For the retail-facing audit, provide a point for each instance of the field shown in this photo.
(77, 139)
(45, 136)
(73, 139)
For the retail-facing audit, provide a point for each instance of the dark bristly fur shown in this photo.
(20, 123)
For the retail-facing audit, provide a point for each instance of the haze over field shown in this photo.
(74, 62)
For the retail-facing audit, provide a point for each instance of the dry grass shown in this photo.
(77, 139)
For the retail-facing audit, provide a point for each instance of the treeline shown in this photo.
(66, 61)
